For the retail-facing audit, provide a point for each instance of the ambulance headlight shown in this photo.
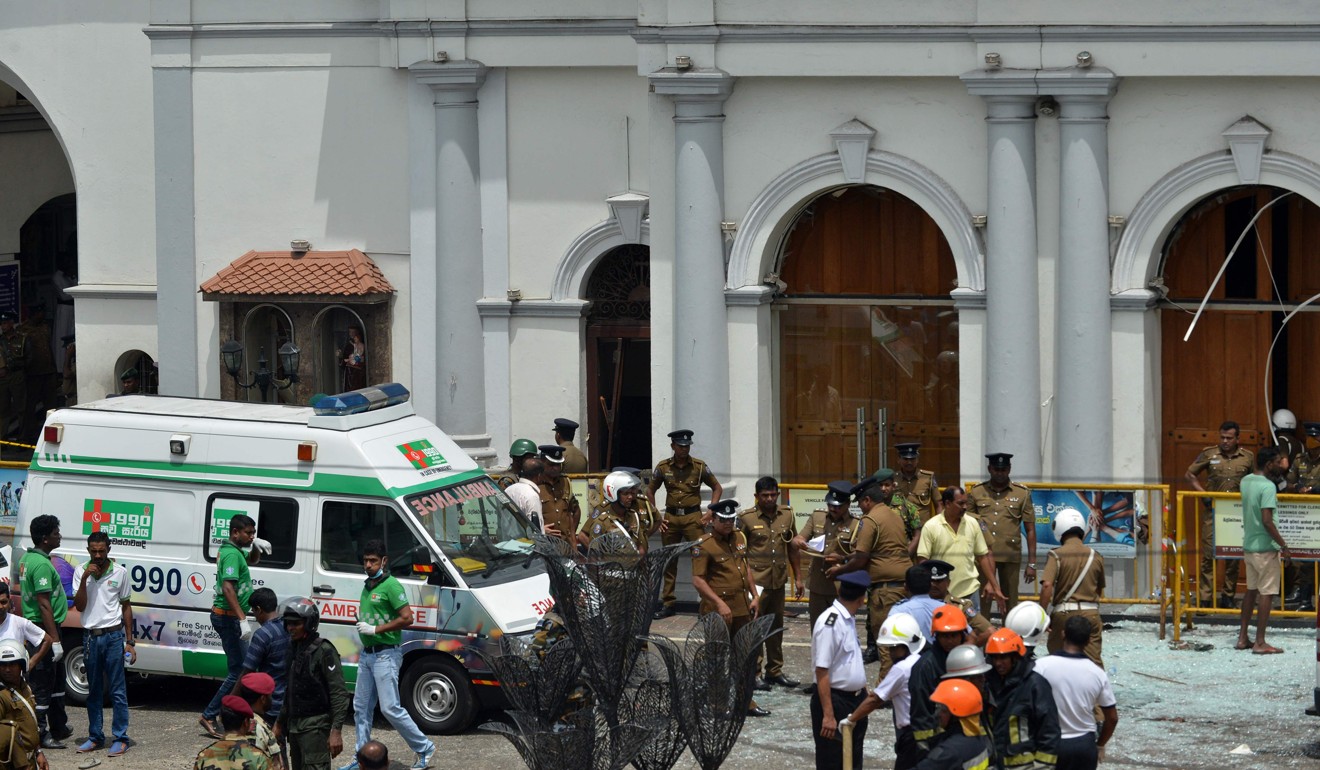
(363, 400)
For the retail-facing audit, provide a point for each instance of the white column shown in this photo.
(701, 342)
(1083, 359)
(1012, 293)
(455, 361)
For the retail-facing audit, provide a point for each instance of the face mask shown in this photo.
(380, 573)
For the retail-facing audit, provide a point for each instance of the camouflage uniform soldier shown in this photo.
(235, 751)
(682, 476)
(519, 451)
(316, 701)
(15, 350)
(915, 484)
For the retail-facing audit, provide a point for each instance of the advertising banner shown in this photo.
(1298, 523)
(1111, 516)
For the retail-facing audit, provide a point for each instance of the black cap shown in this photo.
(724, 509)
(882, 475)
(839, 493)
(1312, 428)
(861, 486)
(565, 424)
(129, 374)
(8, 315)
(552, 452)
(682, 437)
(858, 578)
(1000, 459)
(908, 449)
(939, 570)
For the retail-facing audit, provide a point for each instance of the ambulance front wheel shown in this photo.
(438, 695)
(74, 668)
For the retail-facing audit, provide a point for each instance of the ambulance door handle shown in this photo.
(323, 590)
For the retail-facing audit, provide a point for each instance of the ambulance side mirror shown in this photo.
(437, 576)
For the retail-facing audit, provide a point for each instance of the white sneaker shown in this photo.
(424, 759)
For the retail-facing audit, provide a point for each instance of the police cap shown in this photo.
(682, 437)
(908, 449)
(8, 315)
(862, 486)
(939, 570)
(552, 452)
(858, 578)
(1000, 459)
(725, 509)
(563, 423)
(1312, 428)
(839, 493)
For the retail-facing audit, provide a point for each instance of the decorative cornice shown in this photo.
(748, 296)
(1017, 85)
(449, 77)
(1075, 84)
(1139, 300)
(85, 291)
(550, 308)
(967, 299)
(695, 85)
(490, 307)
(401, 29)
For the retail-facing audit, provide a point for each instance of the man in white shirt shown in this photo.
(526, 491)
(840, 673)
(22, 630)
(901, 635)
(102, 596)
(1080, 687)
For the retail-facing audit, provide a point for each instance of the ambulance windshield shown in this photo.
(480, 531)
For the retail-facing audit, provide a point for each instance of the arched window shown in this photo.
(135, 372)
(335, 369)
(265, 329)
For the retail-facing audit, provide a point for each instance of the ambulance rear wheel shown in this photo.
(438, 695)
(74, 668)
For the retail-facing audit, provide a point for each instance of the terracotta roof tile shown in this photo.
(344, 273)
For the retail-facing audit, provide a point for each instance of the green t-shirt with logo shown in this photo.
(38, 576)
(1258, 493)
(231, 564)
(380, 605)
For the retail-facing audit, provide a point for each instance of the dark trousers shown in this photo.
(829, 753)
(772, 603)
(231, 641)
(1078, 753)
(906, 753)
(47, 680)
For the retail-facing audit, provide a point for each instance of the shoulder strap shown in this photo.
(1090, 558)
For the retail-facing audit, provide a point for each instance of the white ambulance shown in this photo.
(163, 476)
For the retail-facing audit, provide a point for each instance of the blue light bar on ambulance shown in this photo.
(362, 400)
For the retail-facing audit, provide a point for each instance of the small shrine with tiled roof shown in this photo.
(300, 275)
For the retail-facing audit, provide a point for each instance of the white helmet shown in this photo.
(901, 629)
(965, 660)
(1284, 419)
(12, 651)
(1068, 519)
(1030, 622)
(616, 482)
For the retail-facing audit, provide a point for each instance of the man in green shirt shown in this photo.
(46, 604)
(1262, 545)
(229, 610)
(383, 613)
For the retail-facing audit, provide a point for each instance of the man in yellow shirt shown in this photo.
(956, 538)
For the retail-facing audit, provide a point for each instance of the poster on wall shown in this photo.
(10, 296)
(1112, 519)
(1298, 524)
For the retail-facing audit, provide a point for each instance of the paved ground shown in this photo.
(1217, 700)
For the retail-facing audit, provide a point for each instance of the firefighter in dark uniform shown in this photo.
(772, 554)
(15, 352)
(560, 511)
(1024, 721)
(824, 524)
(961, 742)
(574, 460)
(1224, 465)
(1073, 564)
(916, 484)
(1004, 510)
(682, 476)
(723, 577)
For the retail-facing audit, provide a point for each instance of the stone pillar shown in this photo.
(1083, 360)
(447, 343)
(1012, 293)
(701, 342)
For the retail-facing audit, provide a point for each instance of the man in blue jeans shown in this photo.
(233, 592)
(383, 613)
(102, 596)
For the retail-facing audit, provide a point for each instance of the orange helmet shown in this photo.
(1005, 641)
(960, 696)
(948, 619)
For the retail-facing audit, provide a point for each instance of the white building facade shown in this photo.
(492, 157)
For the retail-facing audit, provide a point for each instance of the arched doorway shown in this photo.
(1219, 373)
(619, 359)
(866, 323)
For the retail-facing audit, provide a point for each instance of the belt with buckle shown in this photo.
(103, 631)
(375, 648)
(888, 584)
(1076, 606)
(676, 509)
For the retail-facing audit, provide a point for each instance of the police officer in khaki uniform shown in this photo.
(682, 476)
(881, 548)
(918, 485)
(574, 460)
(618, 512)
(723, 577)
(1004, 510)
(768, 527)
(20, 741)
(1073, 564)
(561, 513)
(1224, 465)
(826, 524)
(15, 350)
